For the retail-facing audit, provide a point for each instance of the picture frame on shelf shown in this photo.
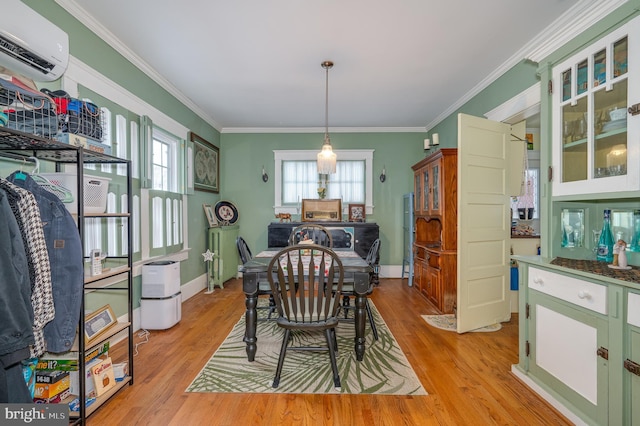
(211, 217)
(98, 321)
(357, 212)
(206, 167)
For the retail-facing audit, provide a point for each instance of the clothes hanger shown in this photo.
(65, 195)
(20, 175)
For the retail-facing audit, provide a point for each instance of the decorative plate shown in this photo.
(226, 212)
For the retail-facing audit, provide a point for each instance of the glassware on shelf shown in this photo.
(596, 239)
(572, 222)
(605, 242)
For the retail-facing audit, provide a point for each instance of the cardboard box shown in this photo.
(50, 377)
(77, 140)
(45, 390)
(58, 399)
(103, 377)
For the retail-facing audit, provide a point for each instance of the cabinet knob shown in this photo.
(584, 295)
(538, 280)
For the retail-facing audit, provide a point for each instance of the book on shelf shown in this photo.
(68, 361)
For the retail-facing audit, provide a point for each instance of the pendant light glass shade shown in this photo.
(326, 157)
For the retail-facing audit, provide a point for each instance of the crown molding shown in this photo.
(321, 130)
(571, 23)
(108, 37)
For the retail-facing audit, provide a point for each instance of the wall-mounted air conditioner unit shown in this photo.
(30, 45)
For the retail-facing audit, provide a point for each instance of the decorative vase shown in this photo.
(322, 192)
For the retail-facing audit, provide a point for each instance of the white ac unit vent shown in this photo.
(31, 45)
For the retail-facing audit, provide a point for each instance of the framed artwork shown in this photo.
(206, 158)
(211, 217)
(357, 212)
(98, 321)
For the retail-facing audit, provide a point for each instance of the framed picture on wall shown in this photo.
(206, 158)
(357, 212)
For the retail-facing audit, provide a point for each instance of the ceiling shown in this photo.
(252, 65)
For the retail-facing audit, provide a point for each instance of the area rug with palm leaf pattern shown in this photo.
(384, 370)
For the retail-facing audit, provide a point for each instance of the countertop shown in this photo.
(587, 268)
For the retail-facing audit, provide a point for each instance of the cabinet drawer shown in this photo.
(582, 293)
(434, 260)
(633, 309)
(420, 252)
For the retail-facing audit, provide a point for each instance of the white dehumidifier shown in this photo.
(161, 302)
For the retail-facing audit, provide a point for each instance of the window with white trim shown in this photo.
(164, 161)
(296, 178)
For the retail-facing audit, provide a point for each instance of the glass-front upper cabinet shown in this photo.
(595, 139)
(426, 187)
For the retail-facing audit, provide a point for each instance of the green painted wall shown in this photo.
(243, 155)
(517, 79)
(90, 49)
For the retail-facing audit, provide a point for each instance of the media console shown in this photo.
(357, 236)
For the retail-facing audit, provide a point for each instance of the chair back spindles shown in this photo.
(243, 250)
(315, 233)
(305, 296)
(306, 282)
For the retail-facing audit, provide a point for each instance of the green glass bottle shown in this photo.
(605, 244)
(635, 241)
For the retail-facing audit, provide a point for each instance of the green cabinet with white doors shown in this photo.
(580, 340)
(595, 139)
(631, 390)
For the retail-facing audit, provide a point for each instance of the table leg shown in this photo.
(361, 287)
(360, 316)
(250, 287)
(251, 320)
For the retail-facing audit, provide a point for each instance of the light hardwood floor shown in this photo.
(467, 376)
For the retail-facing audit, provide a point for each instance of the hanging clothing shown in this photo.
(16, 314)
(66, 263)
(27, 214)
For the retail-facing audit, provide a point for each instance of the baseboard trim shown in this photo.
(523, 377)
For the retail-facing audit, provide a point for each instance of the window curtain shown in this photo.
(300, 180)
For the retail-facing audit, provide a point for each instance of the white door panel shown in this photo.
(484, 227)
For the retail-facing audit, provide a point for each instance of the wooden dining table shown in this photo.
(356, 270)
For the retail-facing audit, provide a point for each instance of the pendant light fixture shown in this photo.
(326, 157)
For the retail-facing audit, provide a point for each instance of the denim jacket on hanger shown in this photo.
(66, 259)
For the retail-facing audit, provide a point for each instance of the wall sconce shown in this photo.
(265, 176)
(427, 142)
(383, 175)
(436, 139)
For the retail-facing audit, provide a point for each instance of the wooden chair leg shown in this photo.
(334, 340)
(272, 306)
(332, 355)
(283, 353)
(346, 305)
(374, 329)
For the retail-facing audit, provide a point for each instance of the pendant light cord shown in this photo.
(326, 65)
